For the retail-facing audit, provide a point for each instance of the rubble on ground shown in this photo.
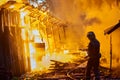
(67, 71)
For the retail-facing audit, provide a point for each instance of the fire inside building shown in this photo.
(46, 39)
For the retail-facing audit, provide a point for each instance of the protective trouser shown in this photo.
(93, 64)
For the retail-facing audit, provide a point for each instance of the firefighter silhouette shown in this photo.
(94, 56)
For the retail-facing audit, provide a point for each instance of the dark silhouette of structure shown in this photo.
(109, 31)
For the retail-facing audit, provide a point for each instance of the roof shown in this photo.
(32, 12)
(111, 29)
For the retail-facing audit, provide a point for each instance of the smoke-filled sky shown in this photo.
(76, 10)
(87, 15)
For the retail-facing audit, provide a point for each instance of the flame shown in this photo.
(55, 56)
(12, 6)
(32, 37)
(37, 36)
(22, 18)
(66, 51)
(39, 57)
(32, 52)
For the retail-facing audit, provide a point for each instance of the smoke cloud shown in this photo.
(87, 15)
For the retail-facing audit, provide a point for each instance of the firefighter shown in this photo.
(94, 56)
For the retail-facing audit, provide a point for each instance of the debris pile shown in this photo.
(66, 71)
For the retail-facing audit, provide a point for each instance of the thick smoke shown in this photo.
(87, 15)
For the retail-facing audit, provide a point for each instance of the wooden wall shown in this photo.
(12, 56)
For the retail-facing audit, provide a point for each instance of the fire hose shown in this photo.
(69, 72)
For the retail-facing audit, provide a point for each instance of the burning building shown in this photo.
(31, 37)
(26, 35)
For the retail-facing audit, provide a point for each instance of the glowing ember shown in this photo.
(66, 51)
(12, 6)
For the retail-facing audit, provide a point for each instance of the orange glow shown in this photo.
(3, 1)
(23, 34)
(45, 62)
(32, 52)
(90, 15)
(42, 45)
(66, 51)
(38, 45)
(37, 37)
(22, 18)
(12, 6)
(33, 38)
